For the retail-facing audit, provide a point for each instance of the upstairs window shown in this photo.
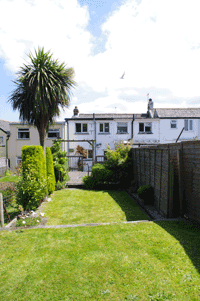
(122, 128)
(81, 128)
(145, 127)
(173, 124)
(104, 127)
(188, 125)
(23, 134)
(53, 133)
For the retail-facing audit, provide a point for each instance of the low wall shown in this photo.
(5, 185)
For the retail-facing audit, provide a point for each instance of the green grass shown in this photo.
(80, 206)
(10, 179)
(145, 261)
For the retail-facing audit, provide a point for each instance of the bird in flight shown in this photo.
(122, 77)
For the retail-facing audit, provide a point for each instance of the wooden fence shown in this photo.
(173, 170)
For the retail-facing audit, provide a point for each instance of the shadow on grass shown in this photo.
(188, 234)
(131, 210)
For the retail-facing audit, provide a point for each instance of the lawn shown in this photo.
(80, 206)
(145, 261)
(14, 179)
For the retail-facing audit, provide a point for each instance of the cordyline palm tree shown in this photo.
(42, 86)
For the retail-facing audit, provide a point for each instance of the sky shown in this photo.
(155, 42)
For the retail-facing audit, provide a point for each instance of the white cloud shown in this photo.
(156, 43)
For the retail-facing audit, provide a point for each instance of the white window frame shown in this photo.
(122, 124)
(23, 130)
(189, 126)
(146, 124)
(56, 131)
(18, 160)
(173, 122)
(104, 127)
(81, 132)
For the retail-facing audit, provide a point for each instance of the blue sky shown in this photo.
(156, 43)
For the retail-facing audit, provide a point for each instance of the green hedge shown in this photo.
(101, 174)
(51, 181)
(32, 187)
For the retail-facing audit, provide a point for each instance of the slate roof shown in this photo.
(5, 125)
(178, 113)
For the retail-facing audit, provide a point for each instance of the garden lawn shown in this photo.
(14, 179)
(78, 206)
(143, 261)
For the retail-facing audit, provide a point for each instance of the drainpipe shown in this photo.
(67, 136)
(8, 136)
(95, 134)
(132, 127)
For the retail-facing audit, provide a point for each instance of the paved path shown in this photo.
(76, 177)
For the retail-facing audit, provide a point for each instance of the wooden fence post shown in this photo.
(180, 180)
(1, 211)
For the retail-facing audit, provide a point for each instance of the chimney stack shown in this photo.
(76, 112)
(150, 105)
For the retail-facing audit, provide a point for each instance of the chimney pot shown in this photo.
(76, 111)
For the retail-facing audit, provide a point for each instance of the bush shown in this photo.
(146, 193)
(32, 187)
(60, 185)
(51, 181)
(119, 161)
(101, 174)
(89, 182)
(60, 162)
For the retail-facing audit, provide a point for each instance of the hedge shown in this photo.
(51, 181)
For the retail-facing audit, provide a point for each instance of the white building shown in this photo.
(157, 126)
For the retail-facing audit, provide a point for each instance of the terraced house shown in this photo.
(95, 131)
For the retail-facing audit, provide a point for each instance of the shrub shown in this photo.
(120, 163)
(60, 185)
(60, 162)
(32, 187)
(89, 182)
(146, 193)
(51, 181)
(8, 195)
(101, 174)
(7, 172)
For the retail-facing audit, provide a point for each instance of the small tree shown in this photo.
(60, 162)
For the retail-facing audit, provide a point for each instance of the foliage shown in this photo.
(89, 182)
(146, 192)
(7, 172)
(32, 187)
(51, 181)
(101, 174)
(60, 185)
(60, 162)
(42, 87)
(18, 169)
(28, 222)
(120, 163)
(8, 195)
(81, 151)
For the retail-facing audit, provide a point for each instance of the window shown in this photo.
(173, 124)
(19, 160)
(23, 134)
(188, 125)
(90, 153)
(122, 128)
(81, 128)
(145, 127)
(104, 128)
(53, 133)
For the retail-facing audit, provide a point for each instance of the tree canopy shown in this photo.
(43, 86)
